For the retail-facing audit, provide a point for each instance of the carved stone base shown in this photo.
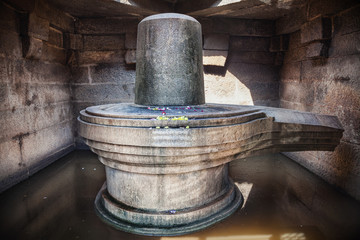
(167, 167)
(166, 223)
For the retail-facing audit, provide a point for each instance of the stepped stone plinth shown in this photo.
(166, 156)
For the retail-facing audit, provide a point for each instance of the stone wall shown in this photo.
(239, 66)
(321, 74)
(102, 62)
(52, 66)
(35, 97)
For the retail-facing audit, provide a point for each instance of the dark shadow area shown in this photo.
(282, 201)
(215, 70)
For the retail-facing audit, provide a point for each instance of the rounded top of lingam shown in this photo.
(169, 69)
(168, 16)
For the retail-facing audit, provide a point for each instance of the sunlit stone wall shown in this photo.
(239, 64)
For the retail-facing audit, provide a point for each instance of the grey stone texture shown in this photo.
(104, 42)
(343, 45)
(248, 76)
(155, 168)
(53, 54)
(329, 86)
(249, 66)
(238, 27)
(130, 40)
(317, 29)
(105, 92)
(56, 17)
(317, 50)
(347, 21)
(169, 69)
(130, 56)
(292, 22)
(99, 57)
(187, 187)
(38, 27)
(253, 44)
(328, 7)
(215, 57)
(35, 103)
(106, 26)
(279, 43)
(32, 48)
(266, 58)
(56, 37)
(75, 41)
(216, 42)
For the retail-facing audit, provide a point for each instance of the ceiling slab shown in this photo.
(254, 9)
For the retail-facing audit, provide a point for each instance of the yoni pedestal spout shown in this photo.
(166, 156)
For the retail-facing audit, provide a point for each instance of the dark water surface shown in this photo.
(282, 201)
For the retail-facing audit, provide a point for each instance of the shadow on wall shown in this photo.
(239, 65)
(242, 57)
(240, 70)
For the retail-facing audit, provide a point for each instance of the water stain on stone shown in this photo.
(3, 92)
(318, 62)
(17, 86)
(28, 102)
(20, 138)
(21, 164)
(342, 78)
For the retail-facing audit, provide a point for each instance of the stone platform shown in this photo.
(166, 167)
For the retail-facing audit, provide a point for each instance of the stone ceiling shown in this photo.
(251, 9)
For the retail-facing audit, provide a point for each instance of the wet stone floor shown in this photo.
(282, 201)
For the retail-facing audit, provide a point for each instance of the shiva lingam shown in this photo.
(166, 155)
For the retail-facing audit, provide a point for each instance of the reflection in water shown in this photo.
(283, 201)
(293, 236)
(245, 189)
(179, 238)
(242, 237)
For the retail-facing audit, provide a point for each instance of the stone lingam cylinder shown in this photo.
(166, 156)
(169, 69)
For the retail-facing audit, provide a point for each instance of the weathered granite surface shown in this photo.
(167, 155)
(167, 173)
(169, 68)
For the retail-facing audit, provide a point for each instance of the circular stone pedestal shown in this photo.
(168, 222)
(167, 167)
(166, 174)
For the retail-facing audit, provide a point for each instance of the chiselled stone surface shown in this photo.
(166, 156)
(317, 50)
(32, 48)
(155, 162)
(317, 29)
(215, 57)
(169, 67)
(216, 42)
